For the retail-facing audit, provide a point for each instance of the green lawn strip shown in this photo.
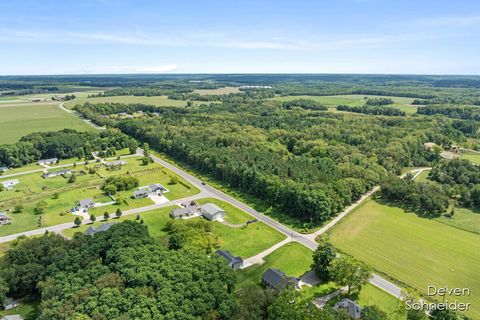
(467, 219)
(294, 259)
(19, 121)
(27, 309)
(371, 295)
(473, 157)
(415, 251)
(234, 214)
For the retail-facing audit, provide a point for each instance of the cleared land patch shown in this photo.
(17, 121)
(225, 90)
(416, 251)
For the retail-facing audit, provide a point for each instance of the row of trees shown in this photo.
(308, 104)
(374, 110)
(378, 101)
(458, 112)
(66, 143)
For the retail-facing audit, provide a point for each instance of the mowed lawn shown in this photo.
(371, 295)
(473, 157)
(401, 103)
(416, 251)
(17, 121)
(294, 259)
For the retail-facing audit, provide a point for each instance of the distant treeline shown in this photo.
(307, 104)
(458, 112)
(62, 144)
(374, 110)
(378, 101)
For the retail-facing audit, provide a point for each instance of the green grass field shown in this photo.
(415, 251)
(294, 259)
(331, 102)
(225, 90)
(371, 295)
(464, 218)
(473, 157)
(17, 121)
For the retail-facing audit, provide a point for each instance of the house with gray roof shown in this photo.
(103, 227)
(3, 169)
(233, 262)
(4, 219)
(144, 192)
(276, 279)
(212, 212)
(183, 212)
(141, 193)
(353, 309)
(156, 188)
(12, 317)
(85, 204)
(52, 174)
(48, 161)
(9, 184)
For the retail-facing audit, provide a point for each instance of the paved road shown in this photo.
(60, 227)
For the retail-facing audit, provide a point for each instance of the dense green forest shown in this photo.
(373, 109)
(307, 163)
(62, 144)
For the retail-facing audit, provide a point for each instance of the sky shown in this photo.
(239, 36)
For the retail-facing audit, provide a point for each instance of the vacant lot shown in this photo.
(17, 121)
(401, 103)
(293, 259)
(225, 90)
(416, 251)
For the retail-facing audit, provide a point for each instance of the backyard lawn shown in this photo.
(415, 251)
(371, 295)
(294, 259)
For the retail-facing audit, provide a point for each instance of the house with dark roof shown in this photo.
(85, 204)
(276, 279)
(233, 262)
(57, 173)
(141, 193)
(157, 188)
(103, 227)
(183, 212)
(48, 161)
(212, 212)
(353, 310)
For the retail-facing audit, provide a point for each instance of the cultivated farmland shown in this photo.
(416, 251)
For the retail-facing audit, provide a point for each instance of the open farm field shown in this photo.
(415, 251)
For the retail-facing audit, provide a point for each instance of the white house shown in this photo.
(8, 184)
(212, 212)
(48, 161)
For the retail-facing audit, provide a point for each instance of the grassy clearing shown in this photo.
(416, 251)
(158, 100)
(27, 309)
(401, 103)
(18, 121)
(293, 259)
(371, 295)
(464, 218)
(473, 157)
(225, 90)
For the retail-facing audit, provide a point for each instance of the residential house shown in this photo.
(353, 309)
(85, 204)
(116, 163)
(4, 219)
(277, 279)
(56, 173)
(3, 169)
(103, 227)
(10, 304)
(144, 192)
(48, 161)
(212, 212)
(8, 184)
(12, 317)
(184, 212)
(233, 262)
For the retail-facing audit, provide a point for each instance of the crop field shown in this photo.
(17, 121)
(331, 102)
(225, 90)
(158, 100)
(60, 196)
(415, 251)
(294, 259)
